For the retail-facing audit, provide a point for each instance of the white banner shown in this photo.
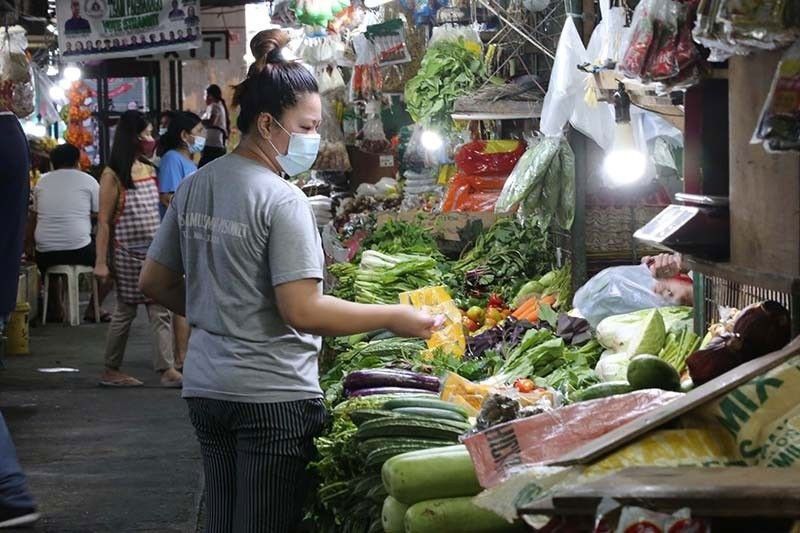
(105, 29)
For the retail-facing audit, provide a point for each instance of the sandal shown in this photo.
(121, 383)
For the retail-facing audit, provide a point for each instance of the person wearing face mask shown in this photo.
(127, 221)
(239, 254)
(182, 140)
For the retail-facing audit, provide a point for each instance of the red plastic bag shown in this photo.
(468, 193)
(489, 158)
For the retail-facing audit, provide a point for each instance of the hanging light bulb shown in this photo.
(624, 164)
(72, 73)
(431, 140)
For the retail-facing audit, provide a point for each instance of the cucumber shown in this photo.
(359, 416)
(431, 403)
(370, 445)
(407, 426)
(430, 412)
(393, 515)
(455, 514)
(381, 455)
(602, 390)
(429, 474)
(651, 372)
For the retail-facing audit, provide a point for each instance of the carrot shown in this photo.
(550, 299)
(522, 309)
(532, 314)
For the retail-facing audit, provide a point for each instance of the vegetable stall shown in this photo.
(516, 202)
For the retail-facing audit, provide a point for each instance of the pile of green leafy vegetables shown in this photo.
(398, 237)
(449, 69)
(503, 258)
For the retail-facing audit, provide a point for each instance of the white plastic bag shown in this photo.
(17, 92)
(617, 291)
(564, 99)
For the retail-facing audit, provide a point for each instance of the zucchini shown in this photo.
(407, 426)
(393, 516)
(370, 445)
(359, 416)
(432, 403)
(430, 474)
(602, 390)
(455, 514)
(430, 412)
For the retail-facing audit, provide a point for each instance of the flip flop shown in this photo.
(122, 383)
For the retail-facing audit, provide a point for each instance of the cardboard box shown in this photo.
(369, 167)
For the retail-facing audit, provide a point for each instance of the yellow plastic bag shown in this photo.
(471, 395)
(437, 301)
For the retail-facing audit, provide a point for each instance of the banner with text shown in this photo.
(106, 29)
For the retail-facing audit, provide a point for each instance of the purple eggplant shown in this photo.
(387, 390)
(388, 377)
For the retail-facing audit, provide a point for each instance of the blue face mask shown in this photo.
(162, 131)
(197, 146)
(301, 154)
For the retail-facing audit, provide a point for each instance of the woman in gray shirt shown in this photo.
(217, 124)
(238, 254)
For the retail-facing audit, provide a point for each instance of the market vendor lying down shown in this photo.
(674, 281)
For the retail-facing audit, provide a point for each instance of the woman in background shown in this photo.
(127, 222)
(183, 139)
(217, 123)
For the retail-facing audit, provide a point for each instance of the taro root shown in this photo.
(723, 353)
(763, 327)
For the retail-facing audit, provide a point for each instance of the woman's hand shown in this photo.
(102, 273)
(410, 322)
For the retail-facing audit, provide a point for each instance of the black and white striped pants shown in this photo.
(255, 457)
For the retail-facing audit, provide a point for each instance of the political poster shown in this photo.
(106, 29)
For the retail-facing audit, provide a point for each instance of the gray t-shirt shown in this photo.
(237, 230)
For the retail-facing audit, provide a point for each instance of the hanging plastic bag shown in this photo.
(389, 39)
(489, 158)
(366, 82)
(617, 291)
(436, 301)
(469, 193)
(16, 77)
(779, 127)
(332, 149)
(374, 140)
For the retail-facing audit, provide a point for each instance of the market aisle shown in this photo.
(98, 459)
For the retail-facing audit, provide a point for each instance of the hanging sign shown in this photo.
(106, 29)
(213, 45)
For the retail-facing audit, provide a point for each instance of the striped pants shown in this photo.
(255, 457)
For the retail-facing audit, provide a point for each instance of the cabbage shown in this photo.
(616, 333)
(613, 366)
(651, 336)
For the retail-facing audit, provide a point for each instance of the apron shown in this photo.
(134, 230)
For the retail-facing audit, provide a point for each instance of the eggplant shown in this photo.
(387, 377)
(722, 354)
(763, 327)
(387, 390)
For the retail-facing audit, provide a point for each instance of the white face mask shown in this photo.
(301, 154)
(162, 131)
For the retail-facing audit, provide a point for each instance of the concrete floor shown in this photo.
(100, 459)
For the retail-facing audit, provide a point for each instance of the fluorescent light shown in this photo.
(431, 140)
(624, 164)
(52, 29)
(52, 70)
(72, 73)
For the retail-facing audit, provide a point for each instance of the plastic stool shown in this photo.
(73, 273)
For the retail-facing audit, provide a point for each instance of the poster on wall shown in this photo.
(105, 29)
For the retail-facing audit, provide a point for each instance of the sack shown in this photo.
(617, 291)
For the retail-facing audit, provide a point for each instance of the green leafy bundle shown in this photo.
(398, 237)
(448, 70)
(382, 277)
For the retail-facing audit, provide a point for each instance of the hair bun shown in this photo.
(266, 47)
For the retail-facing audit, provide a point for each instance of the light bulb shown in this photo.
(57, 94)
(72, 73)
(52, 70)
(624, 164)
(431, 140)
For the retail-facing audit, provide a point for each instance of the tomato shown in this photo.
(495, 300)
(524, 385)
(495, 314)
(470, 324)
(476, 314)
